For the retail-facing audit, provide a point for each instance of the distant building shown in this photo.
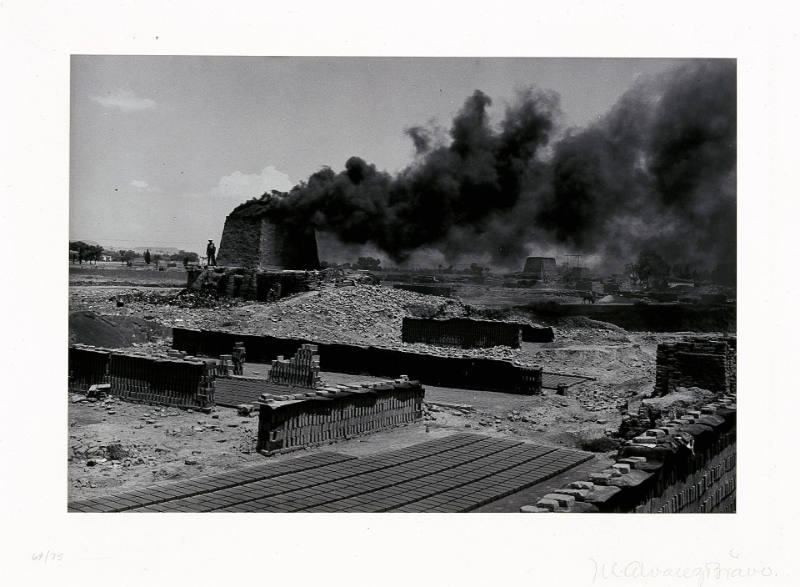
(541, 268)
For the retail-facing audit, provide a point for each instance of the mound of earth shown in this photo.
(113, 331)
(683, 398)
(584, 322)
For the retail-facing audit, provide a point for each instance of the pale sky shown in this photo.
(163, 148)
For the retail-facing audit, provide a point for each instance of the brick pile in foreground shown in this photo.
(457, 473)
(688, 465)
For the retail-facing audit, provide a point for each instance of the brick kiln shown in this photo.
(255, 242)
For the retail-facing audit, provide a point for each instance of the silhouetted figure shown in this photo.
(211, 253)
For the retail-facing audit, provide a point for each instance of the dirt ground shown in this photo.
(115, 446)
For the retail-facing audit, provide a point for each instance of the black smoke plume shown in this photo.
(657, 172)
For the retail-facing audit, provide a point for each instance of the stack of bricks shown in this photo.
(88, 366)
(335, 413)
(536, 333)
(530, 380)
(180, 381)
(687, 465)
(172, 382)
(431, 368)
(302, 370)
(225, 366)
(709, 489)
(708, 363)
(462, 332)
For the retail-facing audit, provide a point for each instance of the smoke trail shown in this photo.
(658, 172)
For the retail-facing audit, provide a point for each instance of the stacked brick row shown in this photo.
(701, 362)
(688, 464)
(87, 366)
(462, 332)
(710, 489)
(335, 413)
(530, 380)
(301, 370)
(430, 369)
(170, 380)
(537, 333)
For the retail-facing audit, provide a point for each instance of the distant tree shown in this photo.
(368, 263)
(86, 252)
(182, 256)
(96, 252)
(147, 256)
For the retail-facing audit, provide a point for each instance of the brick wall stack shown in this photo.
(431, 369)
(87, 366)
(462, 332)
(686, 465)
(172, 382)
(336, 413)
(709, 363)
(708, 488)
(182, 382)
(537, 333)
(301, 370)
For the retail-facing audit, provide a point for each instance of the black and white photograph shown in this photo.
(378, 294)
(402, 285)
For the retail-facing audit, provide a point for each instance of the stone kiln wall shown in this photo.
(241, 243)
(254, 242)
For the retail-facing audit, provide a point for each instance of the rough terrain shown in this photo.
(150, 443)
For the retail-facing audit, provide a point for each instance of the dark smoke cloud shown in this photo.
(657, 172)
